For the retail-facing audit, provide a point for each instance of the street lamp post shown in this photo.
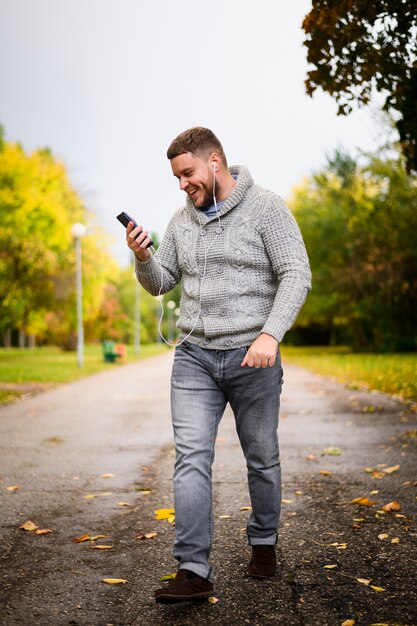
(78, 230)
(137, 319)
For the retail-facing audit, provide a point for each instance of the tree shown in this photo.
(38, 206)
(359, 225)
(356, 46)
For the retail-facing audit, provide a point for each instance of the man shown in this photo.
(244, 271)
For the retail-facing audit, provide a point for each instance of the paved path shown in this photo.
(57, 446)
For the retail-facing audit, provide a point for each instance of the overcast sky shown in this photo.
(107, 84)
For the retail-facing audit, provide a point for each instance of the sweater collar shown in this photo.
(243, 182)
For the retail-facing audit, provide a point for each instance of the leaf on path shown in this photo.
(349, 622)
(123, 504)
(298, 493)
(107, 475)
(225, 516)
(99, 537)
(164, 513)
(339, 546)
(329, 566)
(144, 489)
(167, 577)
(151, 535)
(369, 470)
(364, 501)
(245, 508)
(90, 496)
(359, 519)
(13, 488)
(395, 540)
(375, 588)
(102, 547)
(115, 581)
(325, 473)
(286, 501)
(391, 470)
(86, 537)
(29, 525)
(383, 536)
(82, 538)
(392, 506)
(331, 451)
(43, 531)
(311, 457)
(364, 581)
(213, 600)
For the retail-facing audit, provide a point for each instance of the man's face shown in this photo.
(195, 178)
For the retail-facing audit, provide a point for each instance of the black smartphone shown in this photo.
(124, 218)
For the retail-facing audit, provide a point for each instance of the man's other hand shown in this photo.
(262, 353)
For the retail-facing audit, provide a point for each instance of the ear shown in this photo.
(215, 162)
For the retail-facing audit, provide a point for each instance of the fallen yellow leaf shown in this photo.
(167, 577)
(375, 588)
(28, 526)
(43, 531)
(349, 622)
(107, 475)
(364, 501)
(329, 566)
(114, 581)
(164, 513)
(339, 546)
(90, 496)
(213, 600)
(82, 538)
(325, 473)
(364, 581)
(13, 488)
(286, 501)
(395, 540)
(147, 536)
(123, 504)
(390, 470)
(246, 508)
(383, 536)
(101, 547)
(298, 493)
(392, 506)
(225, 516)
(99, 537)
(333, 451)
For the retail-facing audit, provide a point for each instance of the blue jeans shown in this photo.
(202, 383)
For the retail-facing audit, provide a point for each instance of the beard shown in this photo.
(208, 197)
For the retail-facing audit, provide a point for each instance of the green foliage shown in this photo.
(38, 206)
(390, 373)
(356, 46)
(360, 229)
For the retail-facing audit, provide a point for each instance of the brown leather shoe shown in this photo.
(263, 562)
(185, 586)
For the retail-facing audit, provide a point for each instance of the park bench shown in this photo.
(112, 352)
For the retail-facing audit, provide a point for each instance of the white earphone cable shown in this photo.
(206, 250)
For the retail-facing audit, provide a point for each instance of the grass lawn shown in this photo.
(21, 370)
(395, 374)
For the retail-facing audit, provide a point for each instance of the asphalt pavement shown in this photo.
(95, 457)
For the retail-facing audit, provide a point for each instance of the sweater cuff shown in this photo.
(275, 329)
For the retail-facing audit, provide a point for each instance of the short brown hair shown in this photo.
(198, 141)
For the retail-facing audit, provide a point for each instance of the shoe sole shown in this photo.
(168, 599)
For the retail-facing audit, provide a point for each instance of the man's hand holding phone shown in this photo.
(138, 241)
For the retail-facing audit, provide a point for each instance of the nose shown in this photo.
(183, 183)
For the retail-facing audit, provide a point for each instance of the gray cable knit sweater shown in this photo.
(257, 272)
